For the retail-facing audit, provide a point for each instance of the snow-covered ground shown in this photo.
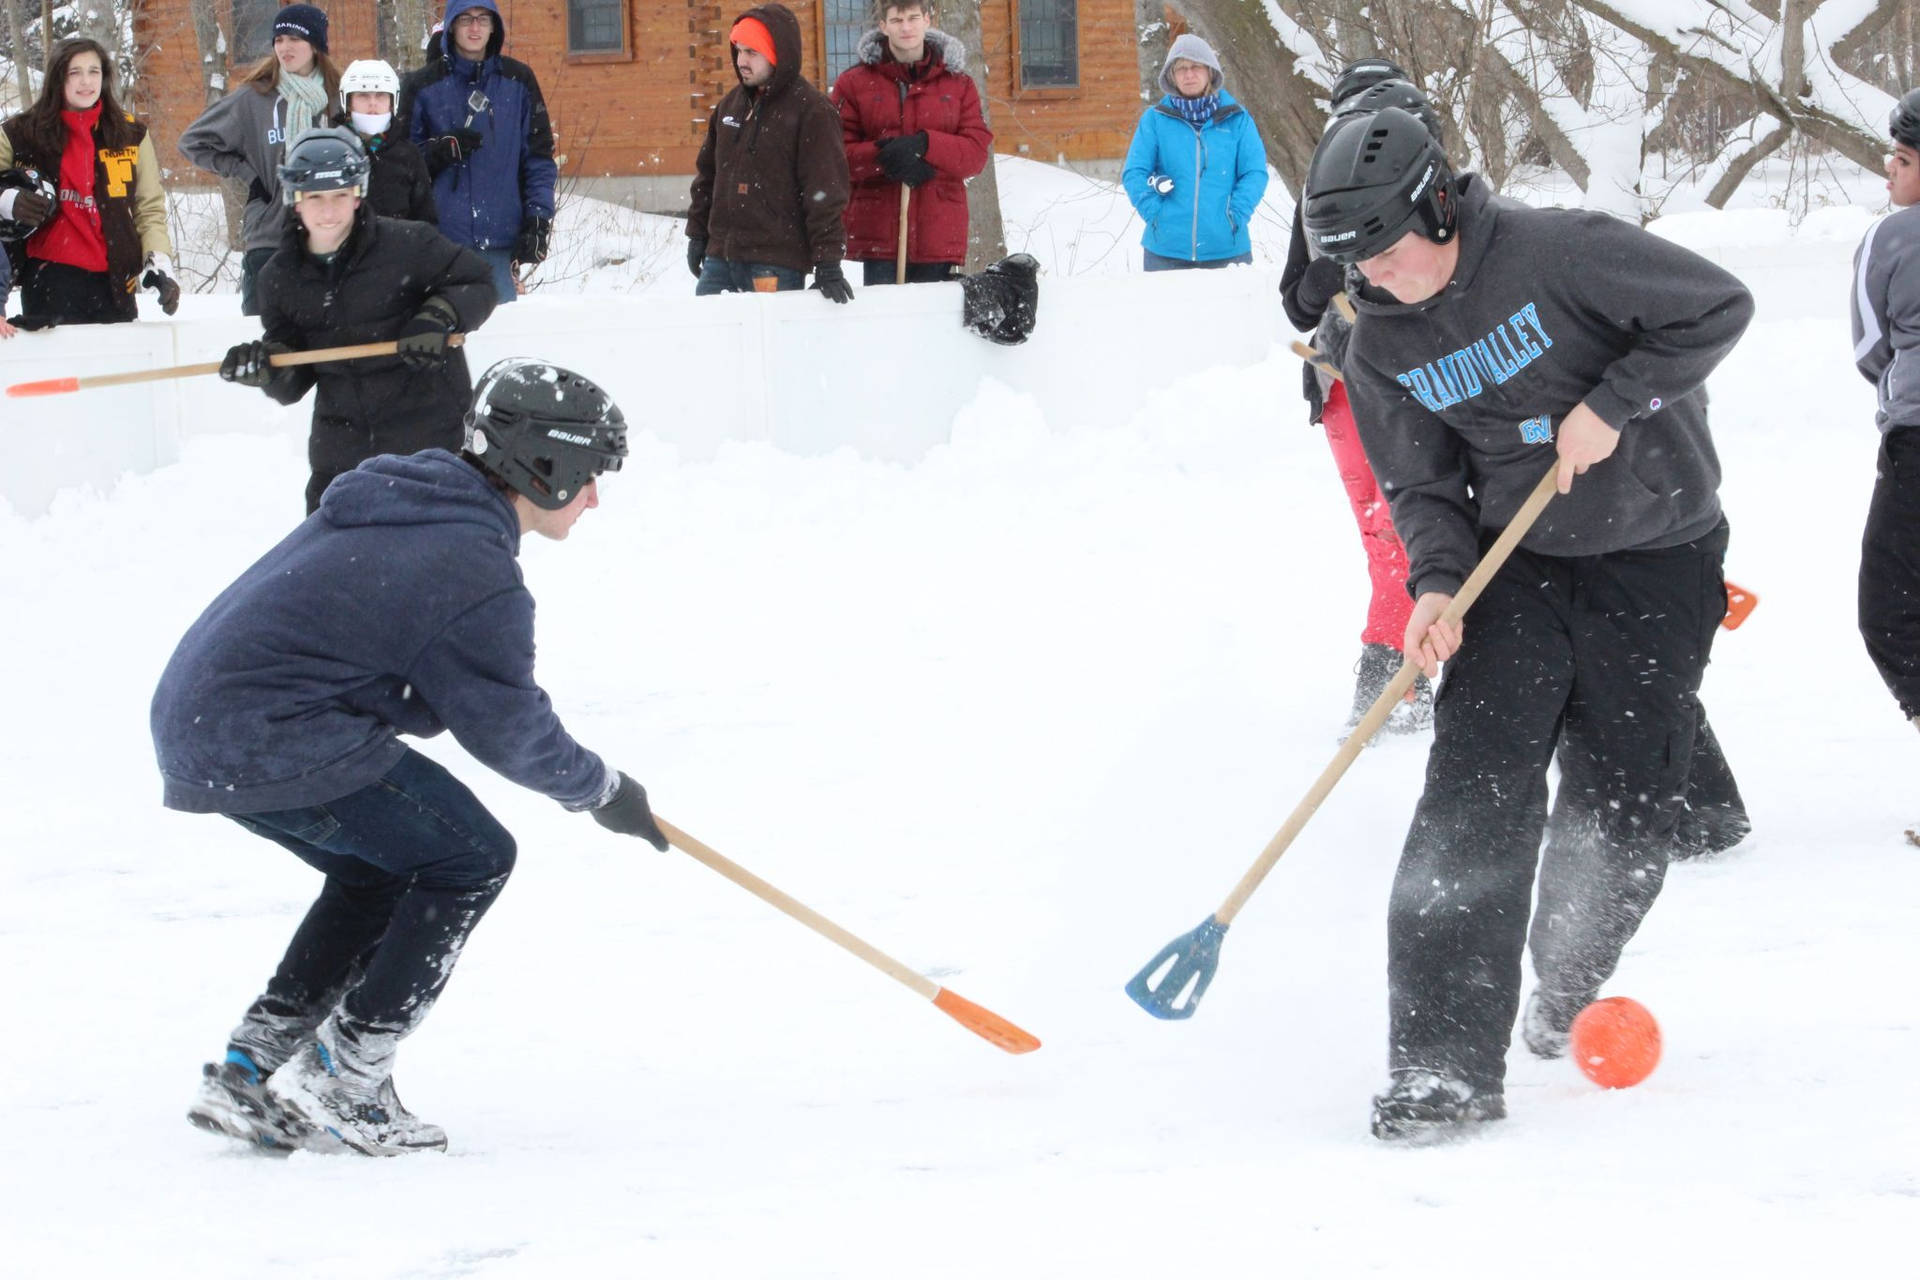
(1018, 714)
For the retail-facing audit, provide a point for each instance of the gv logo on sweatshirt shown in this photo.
(1461, 375)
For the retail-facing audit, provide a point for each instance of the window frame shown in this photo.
(1021, 89)
(586, 57)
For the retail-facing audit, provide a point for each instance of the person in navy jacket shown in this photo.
(397, 608)
(1197, 168)
(481, 121)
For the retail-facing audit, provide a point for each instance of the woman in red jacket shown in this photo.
(103, 234)
(911, 119)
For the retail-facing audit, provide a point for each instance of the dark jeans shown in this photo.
(1890, 569)
(56, 293)
(412, 862)
(719, 275)
(1602, 657)
(250, 263)
(336, 446)
(917, 272)
(1154, 262)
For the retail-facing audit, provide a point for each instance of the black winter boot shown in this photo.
(1424, 1106)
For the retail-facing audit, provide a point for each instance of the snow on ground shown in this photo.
(1019, 715)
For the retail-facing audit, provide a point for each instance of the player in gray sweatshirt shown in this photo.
(1886, 348)
(1494, 342)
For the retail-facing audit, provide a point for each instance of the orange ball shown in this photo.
(1615, 1042)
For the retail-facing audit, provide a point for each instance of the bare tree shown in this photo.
(986, 237)
(1154, 34)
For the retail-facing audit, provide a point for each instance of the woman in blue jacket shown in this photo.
(1197, 168)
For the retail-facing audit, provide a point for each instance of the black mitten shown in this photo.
(696, 254)
(422, 344)
(1323, 278)
(830, 280)
(628, 814)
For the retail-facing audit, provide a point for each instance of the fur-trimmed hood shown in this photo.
(948, 51)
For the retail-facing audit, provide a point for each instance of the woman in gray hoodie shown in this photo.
(245, 134)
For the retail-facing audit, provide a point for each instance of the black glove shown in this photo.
(536, 234)
(422, 344)
(1323, 278)
(696, 254)
(247, 364)
(1000, 303)
(627, 813)
(159, 278)
(830, 280)
(31, 209)
(452, 148)
(904, 159)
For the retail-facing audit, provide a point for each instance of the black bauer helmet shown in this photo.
(1374, 178)
(1394, 93)
(1904, 123)
(1359, 76)
(323, 160)
(544, 430)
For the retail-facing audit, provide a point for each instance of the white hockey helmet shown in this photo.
(368, 75)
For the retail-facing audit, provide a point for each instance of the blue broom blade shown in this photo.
(1172, 983)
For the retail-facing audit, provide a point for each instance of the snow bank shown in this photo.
(883, 376)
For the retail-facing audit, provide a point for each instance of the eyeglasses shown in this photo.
(474, 18)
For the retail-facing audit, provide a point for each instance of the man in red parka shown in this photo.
(914, 132)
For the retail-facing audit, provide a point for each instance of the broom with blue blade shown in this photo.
(1171, 984)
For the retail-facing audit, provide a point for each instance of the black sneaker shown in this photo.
(1378, 664)
(1547, 1020)
(1701, 833)
(1425, 1106)
(234, 1103)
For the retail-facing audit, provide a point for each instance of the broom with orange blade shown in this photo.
(985, 1023)
(61, 386)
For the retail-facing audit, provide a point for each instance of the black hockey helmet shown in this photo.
(1373, 178)
(544, 430)
(1394, 93)
(1904, 123)
(1361, 75)
(24, 178)
(324, 160)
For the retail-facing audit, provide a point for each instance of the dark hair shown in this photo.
(880, 8)
(497, 482)
(264, 76)
(44, 130)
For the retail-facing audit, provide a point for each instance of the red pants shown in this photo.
(1391, 606)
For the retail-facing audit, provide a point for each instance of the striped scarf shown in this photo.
(1196, 111)
(306, 102)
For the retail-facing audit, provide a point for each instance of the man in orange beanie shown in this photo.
(771, 180)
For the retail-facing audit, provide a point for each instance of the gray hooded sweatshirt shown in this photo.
(244, 136)
(1457, 398)
(1886, 315)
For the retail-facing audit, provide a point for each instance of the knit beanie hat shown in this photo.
(1193, 49)
(303, 22)
(751, 33)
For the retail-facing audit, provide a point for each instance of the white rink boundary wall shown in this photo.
(884, 376)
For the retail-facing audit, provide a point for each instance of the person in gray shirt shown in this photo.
(1494, 342)
(1886, 349)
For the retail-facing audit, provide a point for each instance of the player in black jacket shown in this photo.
(399, 186)
(345, 276)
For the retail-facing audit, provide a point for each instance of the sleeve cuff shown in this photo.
(1615, 409)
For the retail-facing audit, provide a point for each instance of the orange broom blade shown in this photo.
(985, 1023)
(45, 387)
(1740, 603)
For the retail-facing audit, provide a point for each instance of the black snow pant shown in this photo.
(1890, 569)
(1602, 658)
(337, 445)
(888, 272)
(55, 293)
(412, 863)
